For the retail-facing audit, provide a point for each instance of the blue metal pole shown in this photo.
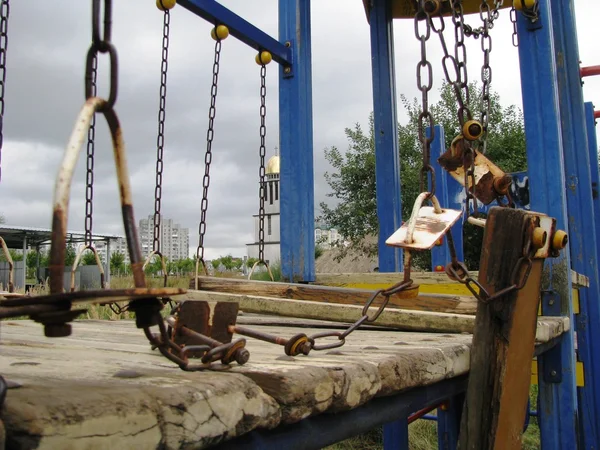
(296, 145)
(448, 192)
(557, 391)
(449, 422)
(395, 435)
(582, 228)
(387, 156)
(214, 12)
(594, 169)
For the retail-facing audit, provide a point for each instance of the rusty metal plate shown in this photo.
(195, 316)
(490, 181)
(225, 314)
(429, 228)
(96, 296)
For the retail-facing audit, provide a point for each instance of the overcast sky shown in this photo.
(48, 42)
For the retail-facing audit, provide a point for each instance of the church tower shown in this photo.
(272, 216)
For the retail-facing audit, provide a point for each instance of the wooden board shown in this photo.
(103, 387)
(410, 299)
(503, 339)
(395, 318)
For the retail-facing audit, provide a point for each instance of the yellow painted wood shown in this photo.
(579, 375)
(575, 301)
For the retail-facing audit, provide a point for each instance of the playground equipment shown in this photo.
(565, 417)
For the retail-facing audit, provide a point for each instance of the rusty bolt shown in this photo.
(287, 70)
(54, 330)
(502, 184)
(242, 356)
(432, 6)
(559, 240)
(539, 237)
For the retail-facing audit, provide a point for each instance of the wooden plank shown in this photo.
(345, 279)
(395, 318)
(498, 389)
(103, 386)
(410, 299)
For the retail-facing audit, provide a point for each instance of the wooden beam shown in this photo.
(503, 339)
(395, 318)
(410, 299)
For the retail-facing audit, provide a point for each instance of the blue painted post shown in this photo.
(557, 391)
(582, 228)
(395, 435)
(448, 418)
(296, 145)
(448, 192)
(593, 150)
(387, 157)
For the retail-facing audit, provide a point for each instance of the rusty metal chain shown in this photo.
(513, 19)
(261, 171)
(208, 154)
(458, 271)
(89, 180)
(101, 43)
(160, 139)
(460, 54)
(208, 352)
(4, 14)
(422, 24)
(487, 16)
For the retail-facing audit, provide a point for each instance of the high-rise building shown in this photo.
(174, 239)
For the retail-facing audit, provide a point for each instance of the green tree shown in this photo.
(117, 262)
(237, 263)
(88, 259)
(70, 255)
(250, 262)
(186, 265)
(352, 180)
(216, 263)
(227, 262)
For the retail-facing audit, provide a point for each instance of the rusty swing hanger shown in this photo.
(160, 142)
(262, 58)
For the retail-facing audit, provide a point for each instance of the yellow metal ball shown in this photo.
(165, 4)
(263, 58)
(472, 130)
(220, 32)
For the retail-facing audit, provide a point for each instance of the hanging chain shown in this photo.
(101, 43)
(208, 155)
(89, 181)
(261, 171)
(160, 140)
(4, 14)
(424, 84)
(486, 14)
(460, 55)
(513, 19)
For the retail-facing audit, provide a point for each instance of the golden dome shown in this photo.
(273, 165)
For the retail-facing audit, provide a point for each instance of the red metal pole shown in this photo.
(596, 114)
(589, 71)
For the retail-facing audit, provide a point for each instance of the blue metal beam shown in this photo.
(296, 146)
(440, 256)
(557, 391)
(387, 156)
(594, 169)
(448, 426)
(214, 12)
(582, 229)
(395, 435)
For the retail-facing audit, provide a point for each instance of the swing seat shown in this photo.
(406, 9)
(426, 226)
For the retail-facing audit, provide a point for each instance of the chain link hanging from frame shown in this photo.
(4, 15)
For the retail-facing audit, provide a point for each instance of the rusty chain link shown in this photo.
(208, 154)
(513, 19)
(101, 43)
(160, 139)
(4, 14)
(458, 271)
(89, 181)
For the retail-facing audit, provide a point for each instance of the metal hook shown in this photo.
(98, 262)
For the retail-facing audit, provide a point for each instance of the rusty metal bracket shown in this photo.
(491, 183)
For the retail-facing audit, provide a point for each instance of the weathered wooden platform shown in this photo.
(103, 387)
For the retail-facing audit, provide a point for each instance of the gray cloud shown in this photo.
(47, 47)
